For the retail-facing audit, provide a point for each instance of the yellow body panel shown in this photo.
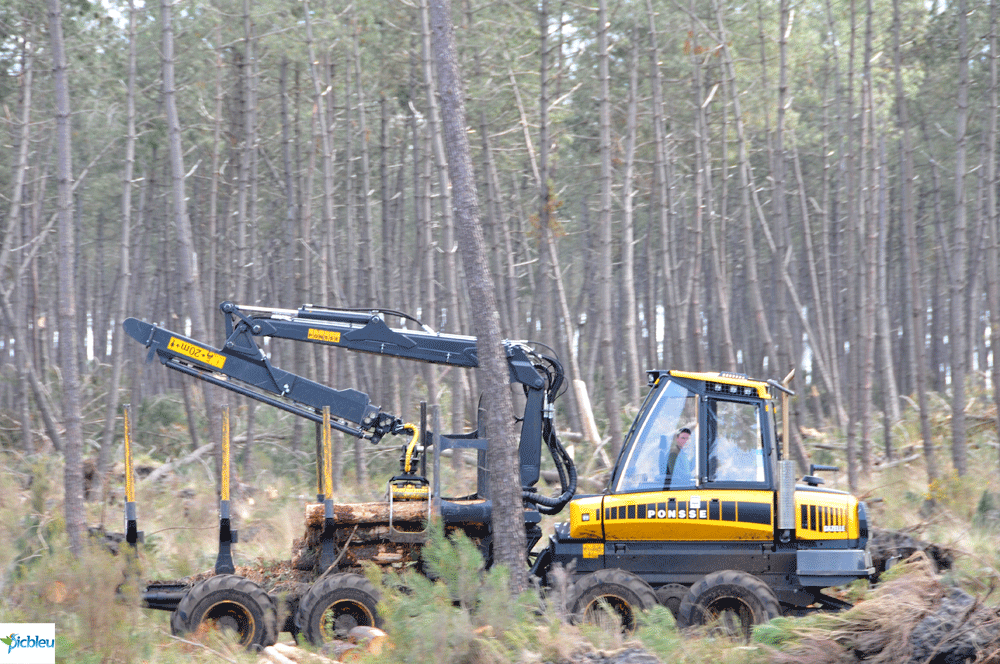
(689, 516)
(585, 518)
(825, 516)
(697, 515)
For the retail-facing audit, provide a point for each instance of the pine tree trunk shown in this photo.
(662, 200)
(992, 221)
(867, 242)
(959, 334)
(605, 317)
(508, 524)
(186, 256)
(72, 421)
(18, 234)
(633, 374)
(124, 271)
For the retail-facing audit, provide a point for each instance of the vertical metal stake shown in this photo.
(224, 561)
(328, 552)
(435, 431)
(320, 496)
(132, 534)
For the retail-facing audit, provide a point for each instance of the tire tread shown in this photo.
(180, 619)
(317, 594)
(645, 596)
(755, 586)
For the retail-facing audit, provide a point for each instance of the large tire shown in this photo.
(671, 595)
(730, 602)
(335, 605)
(621, 592)
(231, 603)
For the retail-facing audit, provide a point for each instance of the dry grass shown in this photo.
(887, 626)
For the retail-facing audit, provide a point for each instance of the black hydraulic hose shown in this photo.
(555, 505)
(558, 378)
(555, 376)
(567, 478)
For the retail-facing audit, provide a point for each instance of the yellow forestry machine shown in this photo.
(701, 513)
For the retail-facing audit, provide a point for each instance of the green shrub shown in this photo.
(460, 613)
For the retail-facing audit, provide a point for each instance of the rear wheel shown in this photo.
(333, 606)
(611, 597)
(730, 603)
(228, 603)
(671, 595)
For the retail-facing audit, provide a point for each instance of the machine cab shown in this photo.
(699, 430)
(696, 490)
(698, 464)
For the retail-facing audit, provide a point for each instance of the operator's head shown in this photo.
(682, 437)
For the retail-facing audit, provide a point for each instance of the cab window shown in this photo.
(663, 454)
(735, 445)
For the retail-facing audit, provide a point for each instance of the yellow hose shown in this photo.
(410, 447)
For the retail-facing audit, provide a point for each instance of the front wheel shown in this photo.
(611, 597)
(228, 603)
(730, 602)
(335, 605)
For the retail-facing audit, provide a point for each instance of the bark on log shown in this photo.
(371, 513)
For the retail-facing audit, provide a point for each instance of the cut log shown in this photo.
(367, 513)
(276, 657)
(371, 513)
(297, 654)
(291, 652)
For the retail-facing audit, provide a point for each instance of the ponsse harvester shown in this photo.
(701, 512)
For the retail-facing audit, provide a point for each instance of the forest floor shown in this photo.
(938, 606)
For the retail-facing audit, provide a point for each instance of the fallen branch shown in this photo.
(201, 645)
(160, 472)
(898, 462)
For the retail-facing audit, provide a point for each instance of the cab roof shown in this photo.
(717, 381)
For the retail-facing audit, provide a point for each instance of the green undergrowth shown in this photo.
(93, 600)
(461, 612)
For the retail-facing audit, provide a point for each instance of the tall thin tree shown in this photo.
(68, 344)
(124, 270)
(959, 334)
(508, 525)
(606, 341)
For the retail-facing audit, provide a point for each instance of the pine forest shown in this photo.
(754, 186)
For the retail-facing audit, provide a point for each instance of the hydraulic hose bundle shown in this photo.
(565, 467)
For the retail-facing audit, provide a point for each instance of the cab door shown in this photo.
(727, 498)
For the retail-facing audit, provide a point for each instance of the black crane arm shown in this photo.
(247, 370)
(242, 366)
(367, 332)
